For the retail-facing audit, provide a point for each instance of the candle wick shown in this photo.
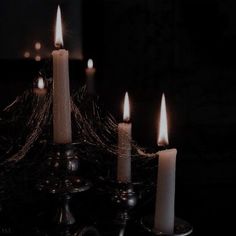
(162, 146)
(58, 46)
(126, 120)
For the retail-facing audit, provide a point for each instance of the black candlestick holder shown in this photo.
(125, 199)
(181, 227)
(62, 181)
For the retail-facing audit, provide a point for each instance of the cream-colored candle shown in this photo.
(124, 145)
(90, 73)
(61, 89)
(165, 189)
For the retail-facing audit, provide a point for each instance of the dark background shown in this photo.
(183, 48)
(23, 23)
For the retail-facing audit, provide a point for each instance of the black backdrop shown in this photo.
(184, 48)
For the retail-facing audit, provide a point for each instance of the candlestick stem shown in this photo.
(64, 215)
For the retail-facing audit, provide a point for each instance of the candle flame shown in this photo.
(27, 54)
(37, 46)
(126, 114)
(58, 33)
(37, 58)
(40, 83)
(163, 129)
(90, 63)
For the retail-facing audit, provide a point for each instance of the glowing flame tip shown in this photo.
(126, 114)
(90, 64)
(58, 33)
(40, 83)
(163, 127)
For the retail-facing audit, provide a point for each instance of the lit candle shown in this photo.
(90, 72)
(40, 83)
(165, 192)
(61, 89)
(39, 88)
(124, 145)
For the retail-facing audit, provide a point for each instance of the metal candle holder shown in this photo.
(181, 227)
(125, 199)
(62, 181)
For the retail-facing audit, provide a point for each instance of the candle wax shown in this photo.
(165, 192)
(61, 98)
(124, 152)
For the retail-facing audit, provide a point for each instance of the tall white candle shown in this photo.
(124, 145)
(61, 89)
(90, 73)
(165, 189)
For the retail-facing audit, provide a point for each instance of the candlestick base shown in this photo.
(181, 227)
(74, 231)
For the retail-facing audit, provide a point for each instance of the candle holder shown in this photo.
(181, 227)
(61, 180)
(125, 199)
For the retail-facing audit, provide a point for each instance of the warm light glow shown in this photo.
(90, 63)
(37, 58)
(126, 114)
(58, 33)
(40, 83)
(163, 129)
(26, 54)
(37, 46)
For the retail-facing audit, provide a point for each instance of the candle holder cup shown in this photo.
(62, 181)
(181, 227)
